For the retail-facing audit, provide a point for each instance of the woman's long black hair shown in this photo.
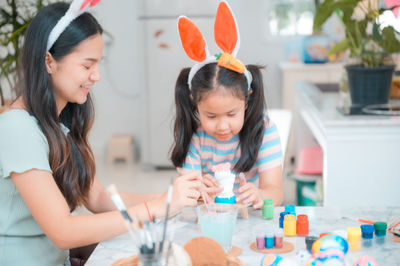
(209, 78)
(70, 156)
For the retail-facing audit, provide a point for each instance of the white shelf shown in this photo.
(361, 153)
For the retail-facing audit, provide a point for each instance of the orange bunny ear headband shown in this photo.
(226, 36)
(76, 8)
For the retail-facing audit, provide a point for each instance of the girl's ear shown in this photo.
(192, 40)
(50, 63)
(226, 33)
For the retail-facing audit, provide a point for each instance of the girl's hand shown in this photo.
(250, 194)
(211, 187)
(186, 191)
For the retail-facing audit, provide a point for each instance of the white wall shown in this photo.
(257, 47)
(118, 96)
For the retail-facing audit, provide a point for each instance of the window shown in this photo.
(291, 17)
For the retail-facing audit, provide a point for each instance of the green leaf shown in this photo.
(376, 33)
(389, 41)
(4, 14)
(19, 32)
(339, 47)
(324, 11)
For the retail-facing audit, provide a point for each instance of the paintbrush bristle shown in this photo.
(112, 189)
(116, 198)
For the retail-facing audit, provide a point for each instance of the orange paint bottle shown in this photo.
(302, 225)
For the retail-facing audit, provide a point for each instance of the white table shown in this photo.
(361, 153)
(322, 219)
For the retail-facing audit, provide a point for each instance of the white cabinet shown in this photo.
(360, 153)
(296, 72)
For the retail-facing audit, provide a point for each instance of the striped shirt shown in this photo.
(206, 151)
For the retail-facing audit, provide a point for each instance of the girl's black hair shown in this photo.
(70, 156)
(209, 78)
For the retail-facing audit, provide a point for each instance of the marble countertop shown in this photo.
(321, 219)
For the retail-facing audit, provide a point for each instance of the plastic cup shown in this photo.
(218, 223)
(259, 236)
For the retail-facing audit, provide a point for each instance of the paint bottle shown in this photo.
(281, 218)
(289, 225)
(290, 209)
(354, 237)
(302, 225)
(269, 239)
(268, 209)
(260, 238)
(367, 233)
(310, 241)
(278, 240)
(380, 232)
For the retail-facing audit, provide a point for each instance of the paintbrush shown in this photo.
(169, 196)
(243, 211)
(145, 243)
(117, 200)
(202, 191)
(359, 220)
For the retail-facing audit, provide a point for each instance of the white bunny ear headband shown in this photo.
(226, 35)
(76, 8)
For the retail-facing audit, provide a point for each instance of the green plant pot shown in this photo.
(369, 85)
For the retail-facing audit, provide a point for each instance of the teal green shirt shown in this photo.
(22, 147)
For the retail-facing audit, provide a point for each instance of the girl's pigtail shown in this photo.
(252, 133)
(185, 120)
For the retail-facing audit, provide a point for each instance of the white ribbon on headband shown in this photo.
(76, 8)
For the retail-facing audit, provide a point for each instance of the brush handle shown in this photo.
(126, 216)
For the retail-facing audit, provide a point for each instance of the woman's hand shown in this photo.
(211, 187)
(186, 191)
(250, 194)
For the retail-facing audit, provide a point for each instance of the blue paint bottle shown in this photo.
(269, 239)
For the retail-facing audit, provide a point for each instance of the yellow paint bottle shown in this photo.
(289, 225)
(354, 237)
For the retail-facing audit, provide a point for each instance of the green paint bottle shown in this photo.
(268, 209)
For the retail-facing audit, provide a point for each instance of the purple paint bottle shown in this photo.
(260, 235)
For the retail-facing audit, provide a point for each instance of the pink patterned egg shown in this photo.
(365, 261)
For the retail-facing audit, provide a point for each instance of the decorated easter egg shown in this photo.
(365, 261)
(270, 260)
(330, 242)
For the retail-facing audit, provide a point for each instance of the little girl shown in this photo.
(221, 115)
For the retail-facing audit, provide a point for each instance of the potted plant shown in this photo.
(15, 17)
(370, 44)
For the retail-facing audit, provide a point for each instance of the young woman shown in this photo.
(47, 167)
